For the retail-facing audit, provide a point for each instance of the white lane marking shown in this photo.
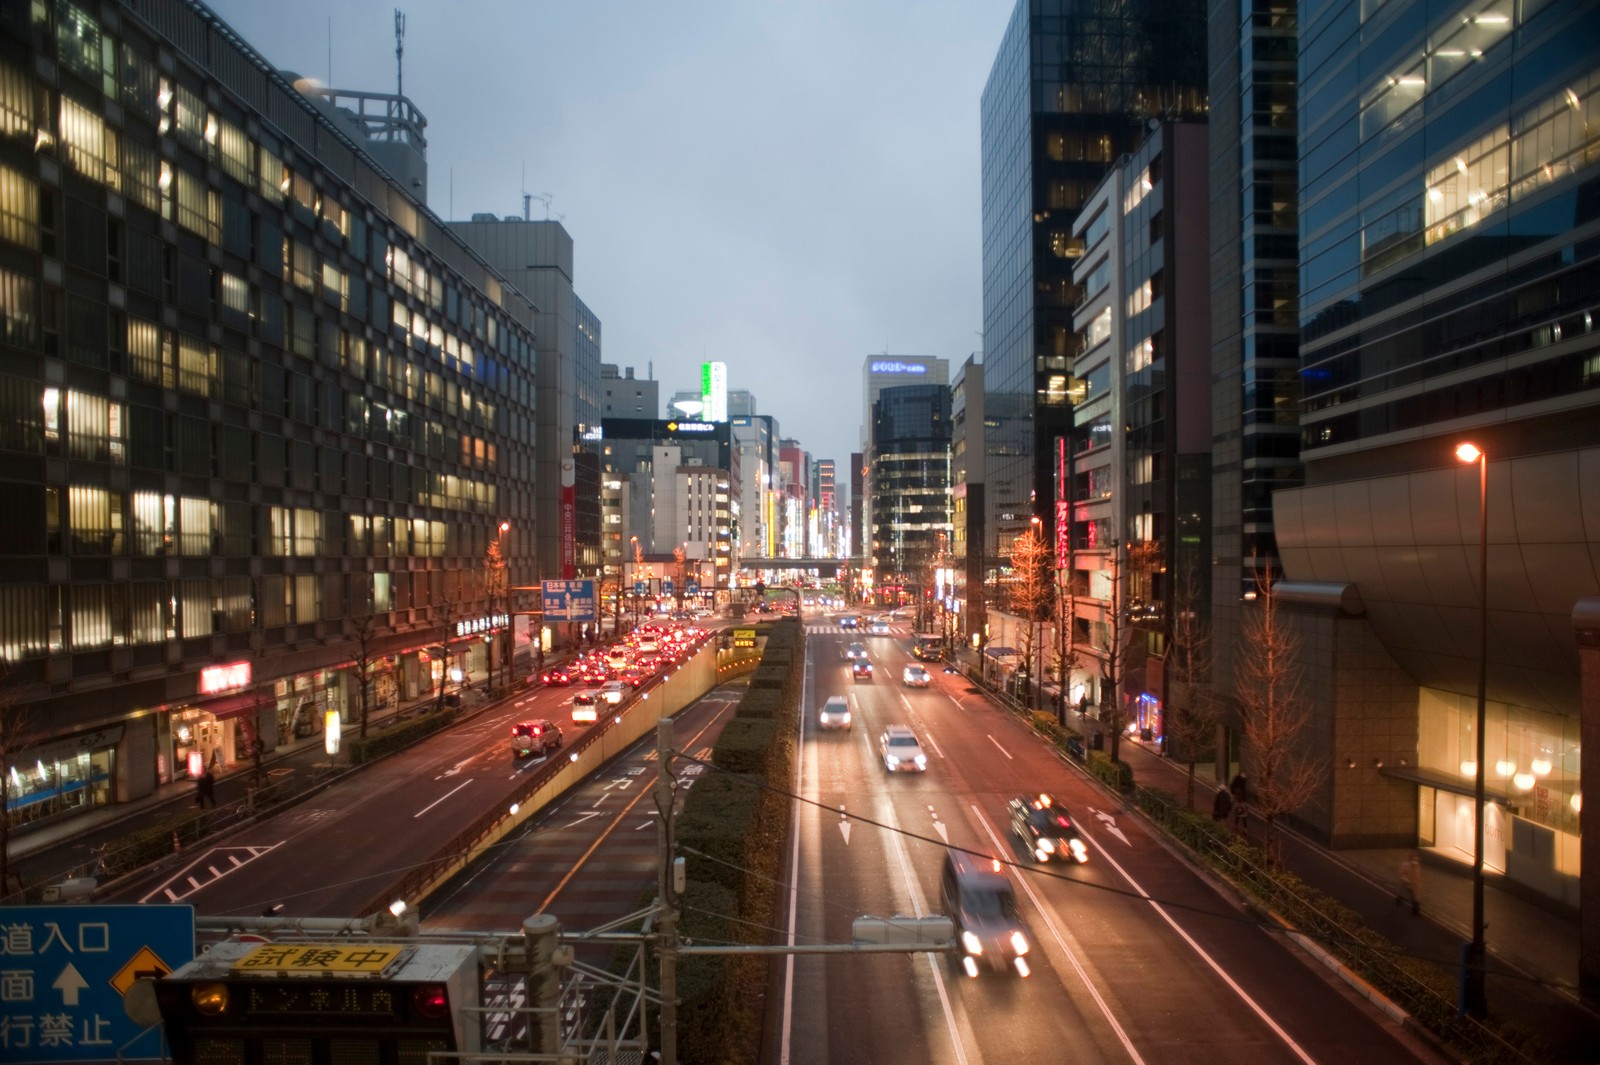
(440, 799)
(999, 748)
(935, 745)
(1061, 941)
(1244, 996)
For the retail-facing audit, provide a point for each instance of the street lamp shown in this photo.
(1475, 990)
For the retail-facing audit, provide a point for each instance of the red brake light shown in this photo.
(1063, 822)
(431, 1001)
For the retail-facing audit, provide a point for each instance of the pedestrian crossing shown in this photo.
(823, 628)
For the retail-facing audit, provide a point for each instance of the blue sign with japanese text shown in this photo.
(65, 969)
(568, 600)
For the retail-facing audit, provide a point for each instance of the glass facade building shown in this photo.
(909, 485)
(257, 408)
(1450, 254)
(1066, 96)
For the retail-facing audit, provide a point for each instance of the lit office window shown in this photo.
(22, 622)
(194, 526)
(233, 603)
(189, 119)
(81, 47)
(235, 152)
(335, 286)
(91, 616)
(141, 83)
(197, 366)
(149, 612)
(307, 533)
(307, 599)
(84, 136)
(199, 208)
(382, 593)
(194, 608)
(16, 104)
(19, 209)
(235, 292)
(144, 350)
(150, 532)
(89, 519)
(274, 179)
(1099, 328)
(141, 174)
(94, 428)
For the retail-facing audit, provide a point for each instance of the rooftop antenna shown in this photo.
(399, 52)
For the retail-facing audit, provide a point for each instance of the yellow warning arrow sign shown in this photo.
(144, 963)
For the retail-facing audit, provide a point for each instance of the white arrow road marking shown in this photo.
(455, 769)
(844, 826)
(69, 983)
(938, 826)
(582, 818)
(1111, 825)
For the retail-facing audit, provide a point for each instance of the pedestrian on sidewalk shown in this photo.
(1411, 881)
(1221, 805)
(1239, 788)
(205, 789)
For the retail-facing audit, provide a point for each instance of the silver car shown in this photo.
(835, 713)
(901, 751)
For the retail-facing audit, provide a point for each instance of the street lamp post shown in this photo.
(1475, 992)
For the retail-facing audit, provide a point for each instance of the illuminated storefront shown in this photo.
(62, 778)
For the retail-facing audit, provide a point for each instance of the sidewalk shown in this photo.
(49, 852)
(1533, 951)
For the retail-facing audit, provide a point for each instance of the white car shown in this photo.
(835, 713)
(900, 750)
(914, 676)
(612, 691)
(878, 628)
(586, 707)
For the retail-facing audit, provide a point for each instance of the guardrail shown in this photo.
(624, 725)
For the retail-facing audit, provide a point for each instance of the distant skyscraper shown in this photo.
(627, 396)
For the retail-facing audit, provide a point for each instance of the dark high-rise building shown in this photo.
(909, 483)
(1254, 296)
(1065, 98)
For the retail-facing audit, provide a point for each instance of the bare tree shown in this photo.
(1030, 592)
(449, 609)
(364, 631)
(1192, 711)
(1111, 714)
(16, 734)
(1273, 711)
(680, 556)
(496, 589)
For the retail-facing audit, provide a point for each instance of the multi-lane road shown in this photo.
(1136, 957)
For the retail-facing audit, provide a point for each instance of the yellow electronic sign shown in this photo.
(320, 959)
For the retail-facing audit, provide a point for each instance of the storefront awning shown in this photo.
(233, 705)
(1435, 778)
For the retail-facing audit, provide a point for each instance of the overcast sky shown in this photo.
(787, 187)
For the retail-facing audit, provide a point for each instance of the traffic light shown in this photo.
(315, 1003)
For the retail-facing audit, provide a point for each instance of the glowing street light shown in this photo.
(1475, 990)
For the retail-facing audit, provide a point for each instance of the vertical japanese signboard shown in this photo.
(65, 969)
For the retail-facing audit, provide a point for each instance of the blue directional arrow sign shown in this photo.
(568, 600)
(65, 969)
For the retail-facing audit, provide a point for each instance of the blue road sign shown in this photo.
(568, 600)
(640, 588)
(691, 588)
(65, 969)
(666, 586)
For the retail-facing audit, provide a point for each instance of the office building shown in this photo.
(1131, 517)
(908, 488)
(1450, 245)
(263, 413)
(623, 395)
(1067, 94)
(537, 257)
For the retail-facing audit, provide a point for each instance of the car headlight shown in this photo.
(1019, 944)
(891, 761)
(922, 761)
(1079, 850)
(971, 943)
(1047, 846)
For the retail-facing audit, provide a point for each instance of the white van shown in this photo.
(585, 707)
